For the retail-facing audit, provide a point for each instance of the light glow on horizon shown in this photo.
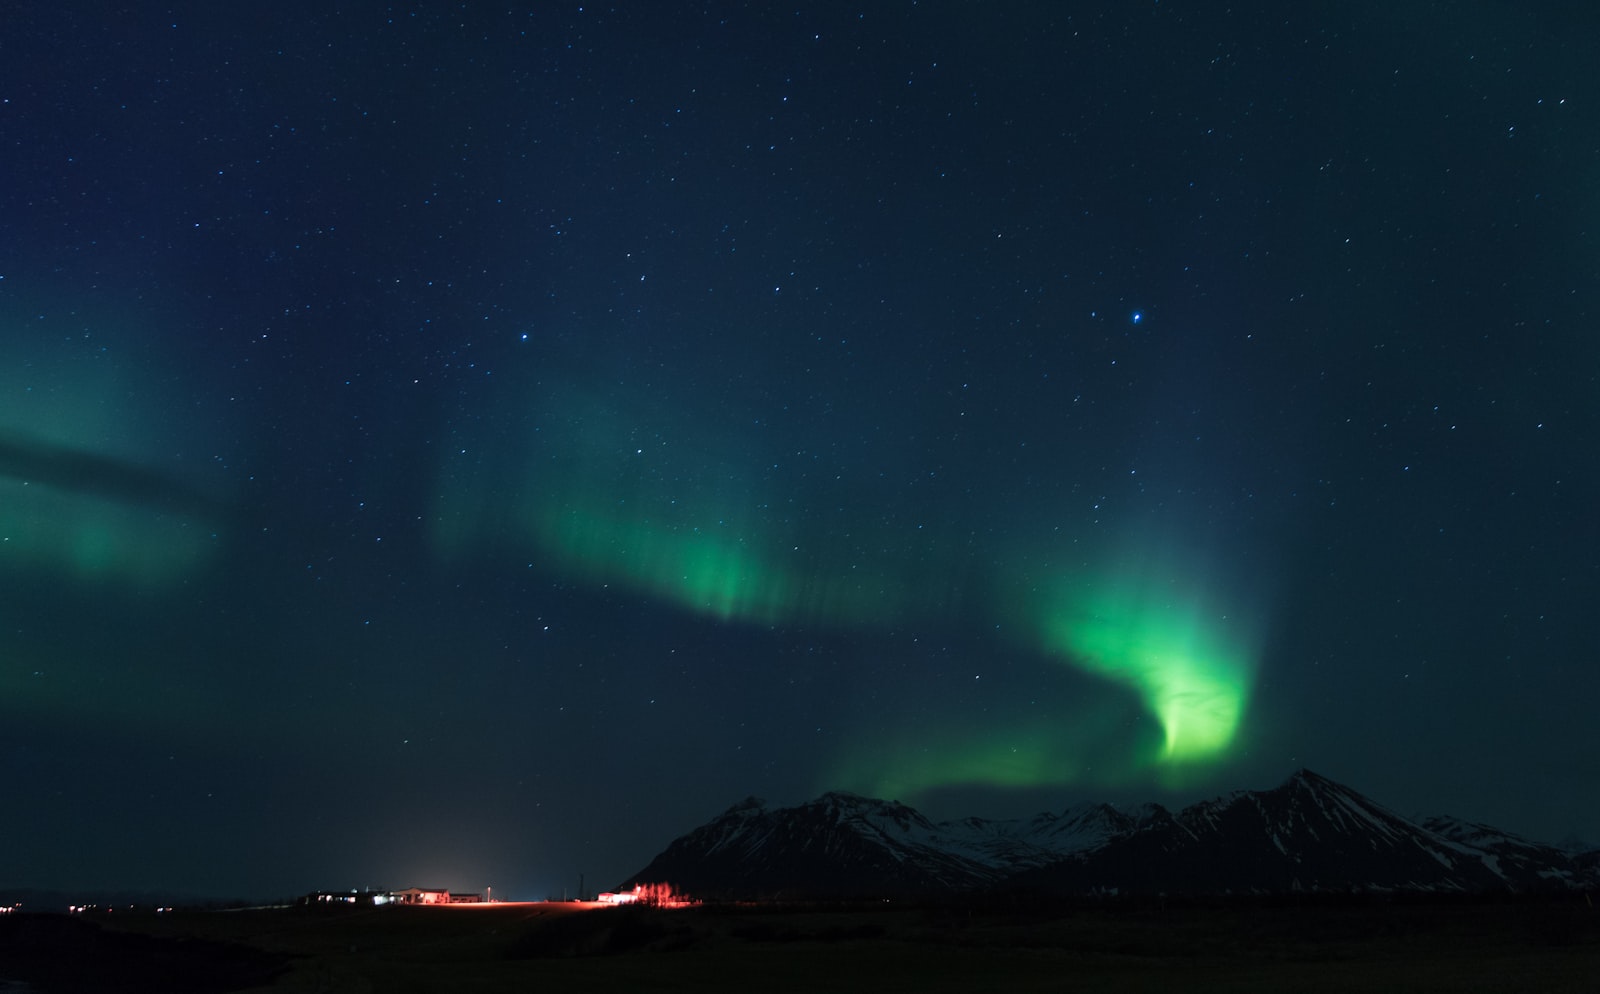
(651, 895)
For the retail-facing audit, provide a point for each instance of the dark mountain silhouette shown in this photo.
(1309, 834)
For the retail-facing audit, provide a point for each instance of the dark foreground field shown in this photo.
(1545, 945)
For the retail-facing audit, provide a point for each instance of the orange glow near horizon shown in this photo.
(654, 895)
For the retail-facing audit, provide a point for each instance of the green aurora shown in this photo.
(644, 500)
(718, 569)
(1097, 738)
(89, 486)
(97, 539)
(1165, 641)
(604, 502)
(1169, 669)
(1175, 676)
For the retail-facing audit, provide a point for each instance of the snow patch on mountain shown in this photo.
(1307, 834)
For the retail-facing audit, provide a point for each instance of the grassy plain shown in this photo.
(1525, 945)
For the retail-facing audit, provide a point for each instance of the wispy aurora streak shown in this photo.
(607, 492)
(1154, 624)
(88, 488)
(1083, 741)
(612, 494)
(1156, 629)
(728, 571)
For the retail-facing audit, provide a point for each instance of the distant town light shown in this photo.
(654, 895)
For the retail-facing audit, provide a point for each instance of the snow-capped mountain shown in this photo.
(1522, 861)
(1308, 834)
(842, 845)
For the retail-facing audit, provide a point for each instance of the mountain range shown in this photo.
(1309, 834)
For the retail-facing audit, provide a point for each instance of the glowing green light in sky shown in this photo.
(721, 570)
(617, 494)
(1090, 742)
(1023, 757)
(1170, 672)
(659, 502)
(89, 537)
(1156, 630)
(89, 488)
(1197, 695)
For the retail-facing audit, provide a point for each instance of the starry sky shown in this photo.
(467, 445)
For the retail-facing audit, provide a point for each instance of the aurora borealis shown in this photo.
(1154, 634)
(672, 521)
(584, 418)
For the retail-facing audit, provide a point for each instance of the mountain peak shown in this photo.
(845, 798)
(1309, 833)
(1307, 777)
(749, 806)
(845, 805)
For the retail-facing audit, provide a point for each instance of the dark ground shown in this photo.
(1367, 944)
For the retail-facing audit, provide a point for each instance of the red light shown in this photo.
(654, 895)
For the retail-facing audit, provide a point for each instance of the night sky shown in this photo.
(451, 445)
